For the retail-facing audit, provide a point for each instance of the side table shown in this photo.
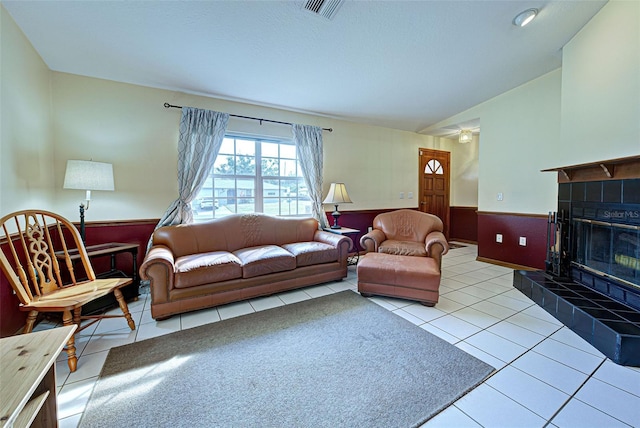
(28, 377)
(352, 260)
(110, 249)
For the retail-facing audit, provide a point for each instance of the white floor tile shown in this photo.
(610, 400)
(534, 324)
(556, 374)
(158, 328)
(516, 334)
(455, 326)
(497, 346)
(198, 318)
(475, 317)
(452, 417)
(409, 317)
(506, 300)
(89, 366)
(481, 355)
(568, 337)
(237, 309)
(625, 378)
(461, 298)
(578, 414)
(73, 397)
(104, 341)
(492, 409)
(441, 334)
(498, 311)
(447, 305)
(425, 313)
(535, 395)
(568, 355)
(478, 292)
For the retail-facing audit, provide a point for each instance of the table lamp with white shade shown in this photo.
(337, 195)
(88, 175)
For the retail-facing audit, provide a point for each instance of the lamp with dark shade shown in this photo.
(88, 175)
(337, 195)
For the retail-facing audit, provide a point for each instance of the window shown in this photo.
(253, 175)
(433, 167)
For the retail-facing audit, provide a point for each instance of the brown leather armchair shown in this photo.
(407, 233)
(404, 257)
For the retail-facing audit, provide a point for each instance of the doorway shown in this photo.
(434, 184)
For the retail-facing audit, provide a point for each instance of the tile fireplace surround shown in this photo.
(592, 279)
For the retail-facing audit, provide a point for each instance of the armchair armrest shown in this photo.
(436, 246)
(158, 268)
(372, 240)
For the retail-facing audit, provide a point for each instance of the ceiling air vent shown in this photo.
(326, 8)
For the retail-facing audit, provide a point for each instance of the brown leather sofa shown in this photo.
(242, 256)
(404, 256)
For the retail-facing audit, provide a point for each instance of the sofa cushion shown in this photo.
(206, 268)
(312, 253)
(265, 259)
(403, 248)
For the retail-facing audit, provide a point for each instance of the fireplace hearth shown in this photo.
(592, 277)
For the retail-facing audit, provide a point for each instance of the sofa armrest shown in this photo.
(436, 246)
(341, 242)
(158, 268)
(372, 240)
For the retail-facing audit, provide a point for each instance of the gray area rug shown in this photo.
(333, 361)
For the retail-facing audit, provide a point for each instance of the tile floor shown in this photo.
(546, 375)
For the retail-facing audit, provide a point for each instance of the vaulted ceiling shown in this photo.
(398, 64)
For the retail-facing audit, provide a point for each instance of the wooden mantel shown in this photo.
(612, 169)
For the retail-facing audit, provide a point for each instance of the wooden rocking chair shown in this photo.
(44, 277)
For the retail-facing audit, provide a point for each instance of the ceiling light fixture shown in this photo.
(465, 136)
(523, 18)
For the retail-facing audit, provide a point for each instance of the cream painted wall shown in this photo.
(26, 143)
(520, 130)
(601, 87)
(128, 126)
(465, 169)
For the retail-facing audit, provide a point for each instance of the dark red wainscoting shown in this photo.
(464, 224)
(512, 227)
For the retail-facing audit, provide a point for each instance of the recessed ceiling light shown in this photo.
(523, 18)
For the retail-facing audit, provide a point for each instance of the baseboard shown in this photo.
(505, 264)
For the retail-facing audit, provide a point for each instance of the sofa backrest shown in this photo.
(234, 232)
(407, 225)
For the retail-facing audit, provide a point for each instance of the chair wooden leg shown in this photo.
(72, 361)
(77, 316)
(125, 309)
(31, 321)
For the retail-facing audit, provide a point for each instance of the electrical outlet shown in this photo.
(410, 195)
(500, 196)
(499, 238)
(523, 241)
(401, 195)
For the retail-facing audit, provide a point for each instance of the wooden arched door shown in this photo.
(434, 179)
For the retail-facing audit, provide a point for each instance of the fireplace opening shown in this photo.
(609, 249)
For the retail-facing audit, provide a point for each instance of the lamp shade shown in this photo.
(465, 136)
(337, 195)
(88, 175)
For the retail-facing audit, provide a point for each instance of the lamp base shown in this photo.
(335, 216)
(82, 229)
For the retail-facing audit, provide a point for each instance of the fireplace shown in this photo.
(592, 277)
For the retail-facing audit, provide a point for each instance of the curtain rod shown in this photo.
(167, 105)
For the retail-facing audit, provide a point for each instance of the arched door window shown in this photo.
(433, 167)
